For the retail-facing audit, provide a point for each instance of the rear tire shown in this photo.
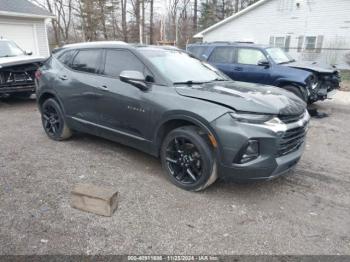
(53, 121)
(188, 159)
(296, 91)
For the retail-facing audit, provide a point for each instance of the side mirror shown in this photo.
(27, 52)
(264, 62)
(134, 78)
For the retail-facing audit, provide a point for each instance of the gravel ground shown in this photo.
(305, 213)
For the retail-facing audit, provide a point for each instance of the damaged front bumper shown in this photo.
(280, 147)
(326, 88)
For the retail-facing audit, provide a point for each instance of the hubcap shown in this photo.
(51, 119)
(184, 160)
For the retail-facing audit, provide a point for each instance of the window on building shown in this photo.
(281, 42)
(313, 43)
(310, 43)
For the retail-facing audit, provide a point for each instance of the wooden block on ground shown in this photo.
(99, 200)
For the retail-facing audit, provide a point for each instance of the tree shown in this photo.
(151, 22)
(195, 16)
(124, 21)
(135, 20)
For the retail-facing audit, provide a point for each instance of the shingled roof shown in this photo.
(22, 8)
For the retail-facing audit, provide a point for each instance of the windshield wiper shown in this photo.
(219, 79)
(190, 82)
(287, 62)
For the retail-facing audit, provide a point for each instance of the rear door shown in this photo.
(246, 68)
(77, 83)
(222, 57)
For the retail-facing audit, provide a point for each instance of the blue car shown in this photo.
(248, 62)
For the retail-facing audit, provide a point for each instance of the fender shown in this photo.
(289, 81)
(53, 93)
(189, 117)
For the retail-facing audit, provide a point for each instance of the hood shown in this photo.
(246, 97)
(19, 60)
(313, 66)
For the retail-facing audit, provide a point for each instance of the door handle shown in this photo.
(238, 68)
(63, 77)
(103, 87)
(92, 94)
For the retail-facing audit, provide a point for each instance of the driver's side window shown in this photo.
(249, 56)
(121, 60)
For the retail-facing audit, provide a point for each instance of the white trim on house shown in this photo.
(47, 38)
(229, 19)
(14, 14)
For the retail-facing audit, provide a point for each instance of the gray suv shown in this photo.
(201, 124)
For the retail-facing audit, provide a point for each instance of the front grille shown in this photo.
(287, 119)
(291, 140)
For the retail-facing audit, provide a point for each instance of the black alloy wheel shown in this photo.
(53, 121)
(184, 160)
(188, 159)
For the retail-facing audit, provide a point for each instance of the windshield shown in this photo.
(179, 67)
(9, 48)
(279, 56)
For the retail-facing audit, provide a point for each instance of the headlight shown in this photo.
(251, 118)
(313, 81)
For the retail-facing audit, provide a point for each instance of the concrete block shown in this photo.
(99, 200)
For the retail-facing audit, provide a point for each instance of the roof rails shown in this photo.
(243, 42)
(224, 42)
(95, 43)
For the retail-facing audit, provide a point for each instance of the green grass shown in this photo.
(345, 75)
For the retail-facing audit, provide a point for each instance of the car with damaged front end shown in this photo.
(17, 70)
(160, 100)
(254, 63)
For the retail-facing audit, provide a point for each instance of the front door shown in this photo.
(246, 68)
(122, 107)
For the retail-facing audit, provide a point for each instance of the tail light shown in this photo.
(38, 74)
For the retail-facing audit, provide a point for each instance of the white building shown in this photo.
(311, 30)
(24, 23)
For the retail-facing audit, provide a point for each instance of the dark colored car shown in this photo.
(17, 70)
(270, 66)
(173, 106)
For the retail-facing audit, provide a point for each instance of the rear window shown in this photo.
(197, 51)
(87, 61)
(222, 55)
(66, 57)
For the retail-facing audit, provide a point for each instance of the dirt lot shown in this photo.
(306, 213)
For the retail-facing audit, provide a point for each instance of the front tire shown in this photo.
(53, 121)
(188, 159)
